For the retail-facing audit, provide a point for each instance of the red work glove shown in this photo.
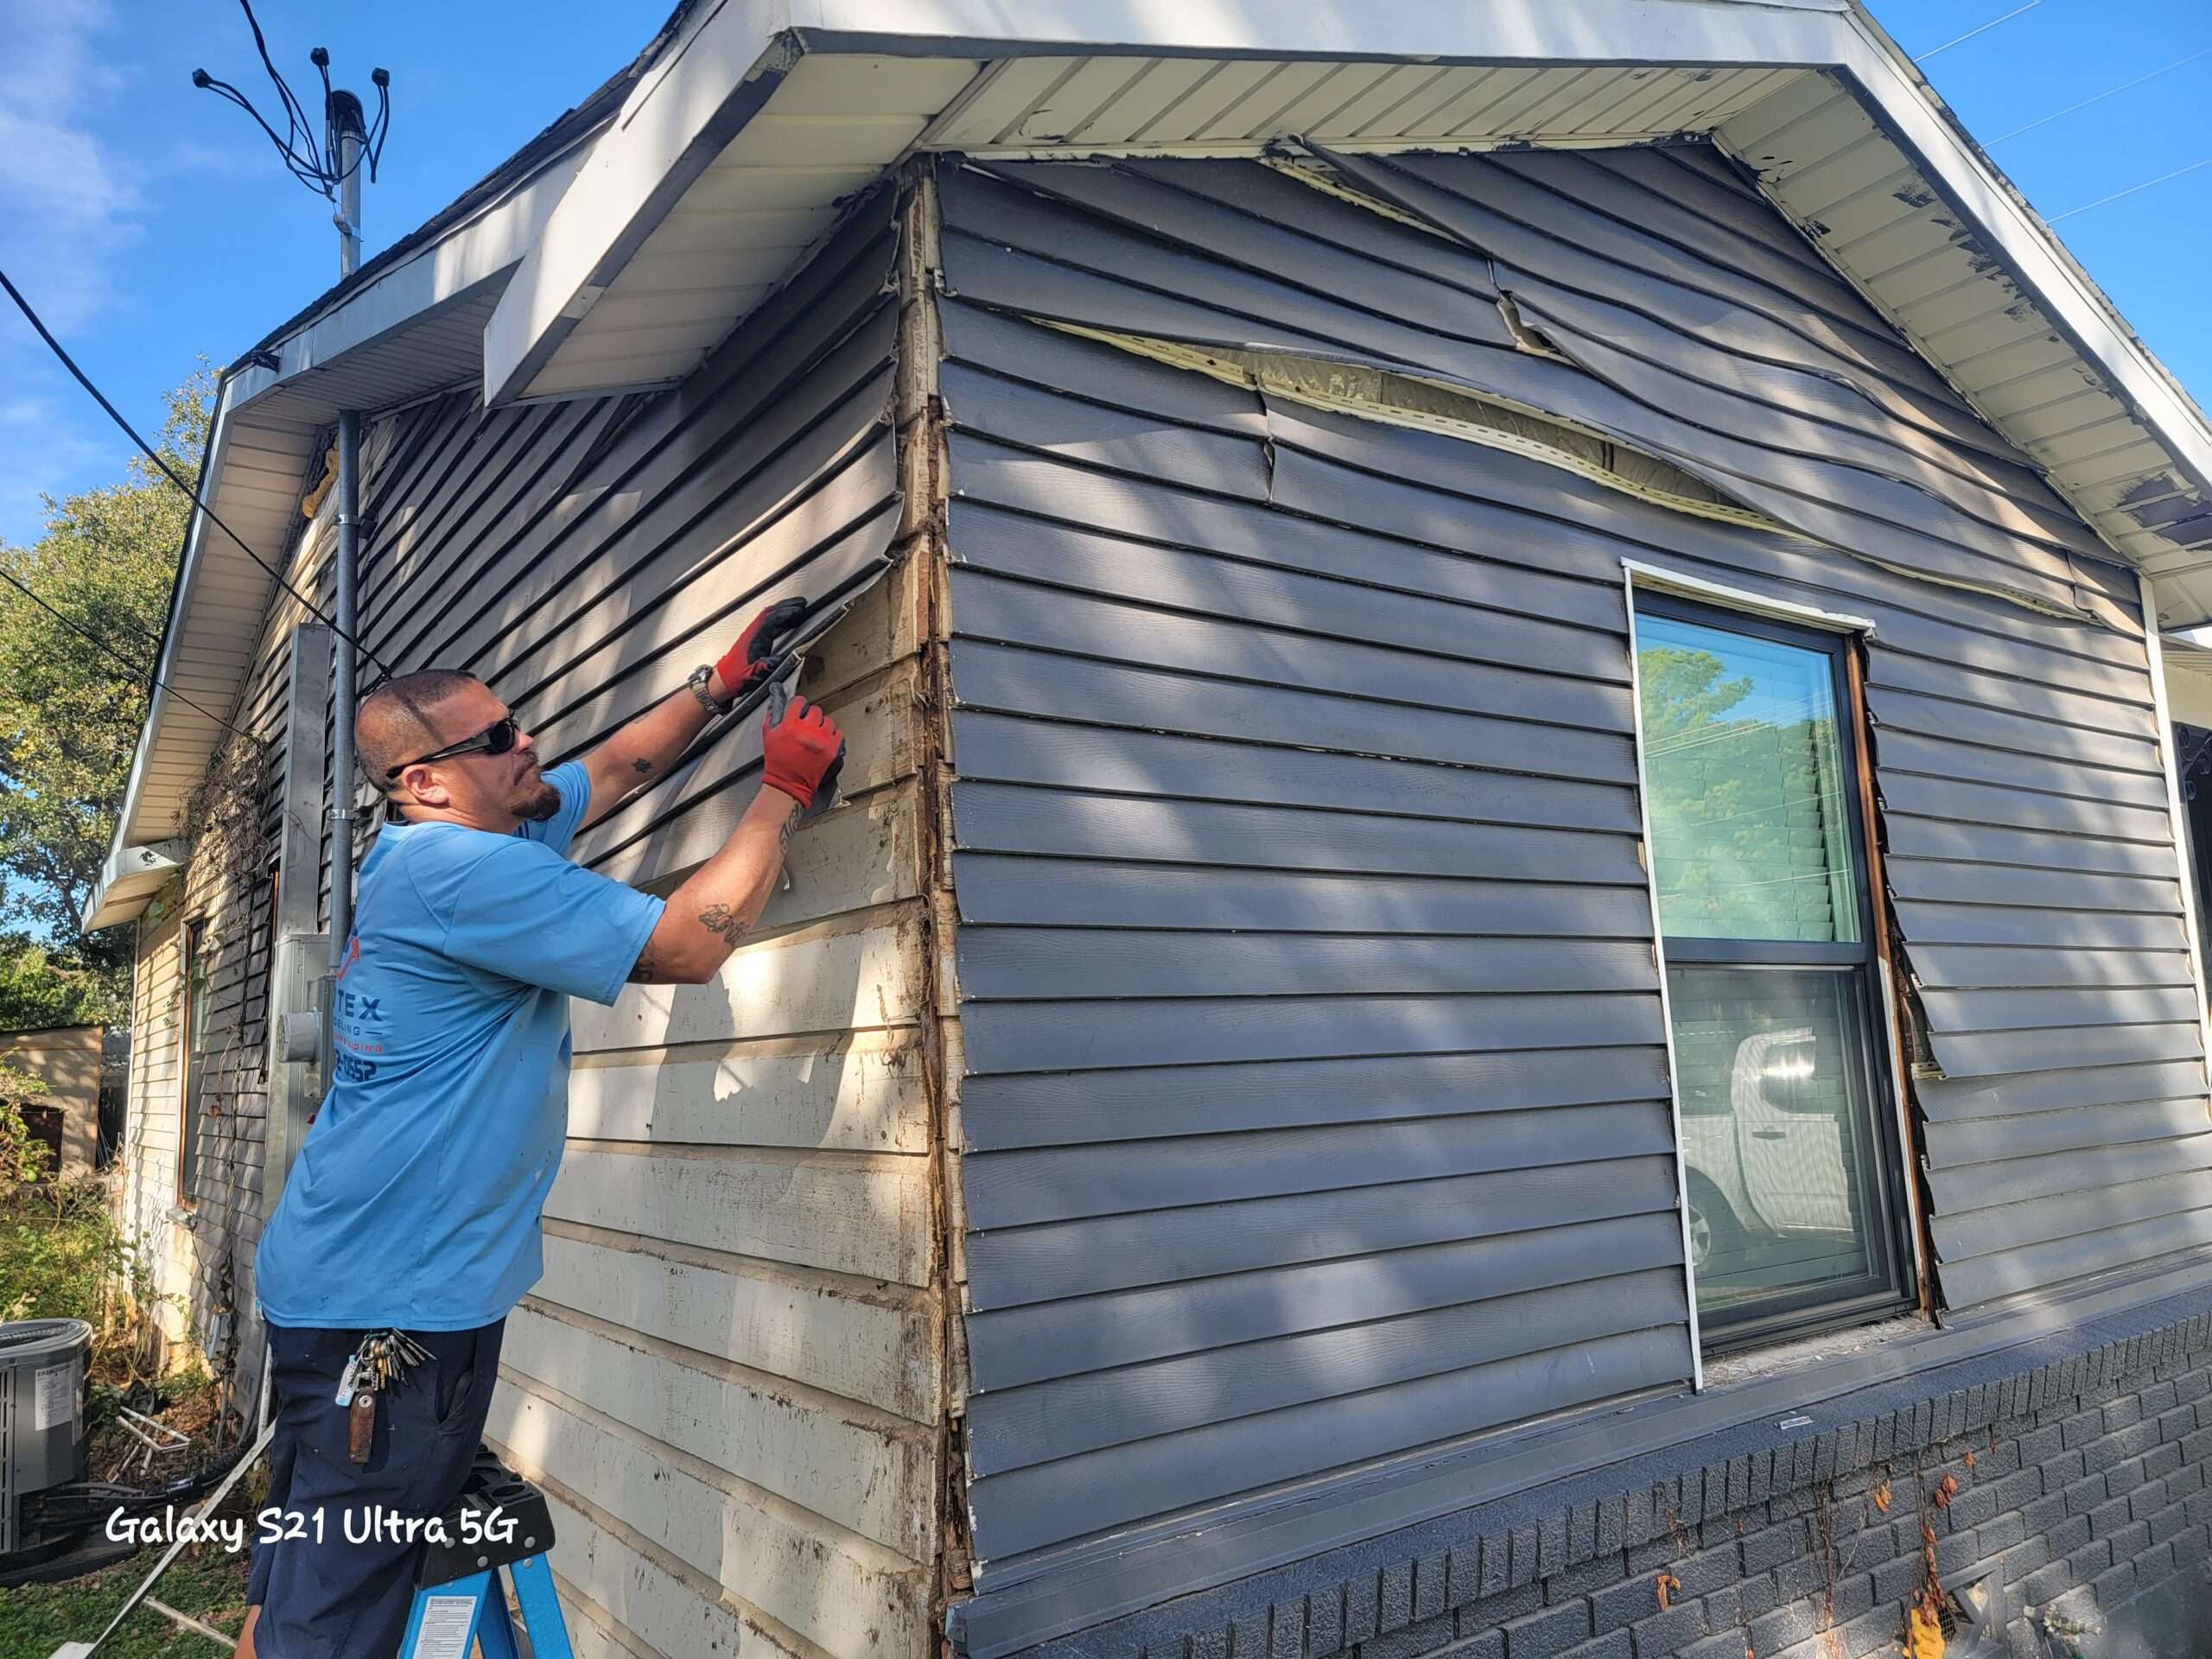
(801, 754)
(744, 663)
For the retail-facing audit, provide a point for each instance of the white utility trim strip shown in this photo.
(1666, 1001)
(1736, 598)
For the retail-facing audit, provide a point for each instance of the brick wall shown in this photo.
(2077, 1485)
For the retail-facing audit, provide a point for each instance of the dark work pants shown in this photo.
(326, 1598)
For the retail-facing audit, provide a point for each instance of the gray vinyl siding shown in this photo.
(1315, 1104)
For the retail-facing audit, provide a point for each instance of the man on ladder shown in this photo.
(409, 1227)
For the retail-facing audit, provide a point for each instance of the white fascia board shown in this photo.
(1499, 31)
(482, 247)
(678, 118)
(188, 575)
(1897, 99)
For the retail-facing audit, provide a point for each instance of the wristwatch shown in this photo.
(702, 678)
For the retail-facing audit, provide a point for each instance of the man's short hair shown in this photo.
(394, 723)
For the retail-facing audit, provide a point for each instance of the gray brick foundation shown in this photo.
(2075, 1484)
(2112, 1504)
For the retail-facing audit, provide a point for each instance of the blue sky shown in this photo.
(150, 222)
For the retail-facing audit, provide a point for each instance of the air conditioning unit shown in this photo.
(43, 1440)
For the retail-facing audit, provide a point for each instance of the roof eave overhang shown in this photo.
(129, 879)
(714, 78)
(724, 72)
(724, 76)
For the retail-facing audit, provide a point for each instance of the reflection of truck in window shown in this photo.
(1767, 1161)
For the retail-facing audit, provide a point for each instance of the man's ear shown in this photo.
(425, 786)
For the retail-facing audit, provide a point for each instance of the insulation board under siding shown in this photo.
(1315, 1105)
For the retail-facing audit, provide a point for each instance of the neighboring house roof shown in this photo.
(620, 254)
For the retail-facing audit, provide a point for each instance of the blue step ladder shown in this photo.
(497, 1536)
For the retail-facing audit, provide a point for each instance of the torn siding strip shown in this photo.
(1412, 400)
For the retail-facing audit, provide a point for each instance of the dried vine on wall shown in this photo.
(226, 824)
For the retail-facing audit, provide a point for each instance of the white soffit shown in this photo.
(729, 161)
(1884, 222)
(624, 293)
(836, 121)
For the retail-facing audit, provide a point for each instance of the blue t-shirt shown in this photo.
(414, 1199)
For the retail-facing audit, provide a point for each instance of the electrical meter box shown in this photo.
(298, 1027)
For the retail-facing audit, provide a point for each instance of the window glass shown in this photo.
(1749, 816)
(1779, 1160)
(1789, 1169)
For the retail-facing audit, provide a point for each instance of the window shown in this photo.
(1791, 1174)
(197, 996)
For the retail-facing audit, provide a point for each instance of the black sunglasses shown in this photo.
(496, 739)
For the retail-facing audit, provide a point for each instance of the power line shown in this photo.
(170, 472)
(2123, 86)
(2130, 191)
(1984, 29)
(302, 157)
(84, 633)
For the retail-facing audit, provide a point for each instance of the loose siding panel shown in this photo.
(1311, 1031)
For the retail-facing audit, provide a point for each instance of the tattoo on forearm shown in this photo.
(641, 765)
(724, 924)
(645, 970)
(783, 835)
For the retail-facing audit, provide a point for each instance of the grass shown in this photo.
(207, 1582)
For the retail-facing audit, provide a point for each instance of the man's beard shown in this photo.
(541, 803)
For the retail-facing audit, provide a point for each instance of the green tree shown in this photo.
(42, 987)
(1683, 694)
(70, 714)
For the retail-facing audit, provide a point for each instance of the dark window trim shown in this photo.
(267, 950)
(1894, 1288)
